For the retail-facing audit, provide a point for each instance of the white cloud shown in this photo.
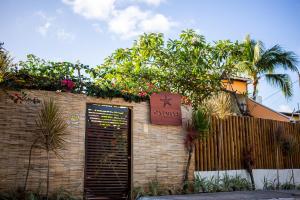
(125, 22)
(43, 29)
(92, 9)
(49, 27)
(152, 2)
(64, 35)
(157, 23)
(284, 108)
(46, 23)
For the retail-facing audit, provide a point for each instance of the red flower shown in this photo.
(69, 84)
(142, 94)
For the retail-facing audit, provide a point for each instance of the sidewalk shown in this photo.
(251, 195)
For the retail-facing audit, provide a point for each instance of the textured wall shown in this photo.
(158, 151)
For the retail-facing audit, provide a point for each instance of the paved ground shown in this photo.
(251, 195)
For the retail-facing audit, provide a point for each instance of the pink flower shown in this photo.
(69, 84)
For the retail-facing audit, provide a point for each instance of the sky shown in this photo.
(90, 30)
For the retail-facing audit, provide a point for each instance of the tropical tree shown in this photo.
(52, 129)
(188, 65)
(258, 62)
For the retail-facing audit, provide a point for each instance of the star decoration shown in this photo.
(166, 101)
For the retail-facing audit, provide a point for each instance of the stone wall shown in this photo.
(158, 151)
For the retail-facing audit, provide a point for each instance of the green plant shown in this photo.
(5, 63)
(269, 184)
(288, 186)
(188, 65)
(62, 194)
(153, 187)
(224, 184)
(199, 184)
(19, 194)
(259, 62)
(51, 131)
(198, 129)
(240, 184)
(138, 192)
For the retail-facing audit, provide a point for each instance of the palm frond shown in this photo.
(258, 50)
(282, 81)
(51, 127)
(276, 57)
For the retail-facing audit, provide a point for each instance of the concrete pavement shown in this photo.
(243, 195)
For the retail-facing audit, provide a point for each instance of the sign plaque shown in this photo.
(165, 109)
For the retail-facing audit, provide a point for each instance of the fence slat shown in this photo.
(230, 137)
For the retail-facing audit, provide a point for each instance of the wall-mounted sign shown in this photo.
(165, 109)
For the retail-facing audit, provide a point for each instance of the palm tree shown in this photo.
(51, 131)
(259, 62)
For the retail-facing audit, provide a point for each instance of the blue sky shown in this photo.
(90, 30)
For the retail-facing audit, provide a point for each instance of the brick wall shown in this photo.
(158, 151)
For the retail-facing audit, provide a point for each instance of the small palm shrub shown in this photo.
(225, 184)
(156, 188)
(52, 129)
(197, 129)
(19, 194)
(270, 184)
(288, 186)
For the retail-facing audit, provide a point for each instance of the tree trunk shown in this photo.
(48, 174)
(29, 163)
(255, 82)
(252, 178)
(277, 166)
(292, 166)
(186, 174)
(220, 141)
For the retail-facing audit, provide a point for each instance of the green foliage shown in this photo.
(18, 194)
(288, 186)
(62, 194)
(155, 188)
(5, 63)
(51, 127)
(189, 66)
(225, 184)
(51, 131)
(201, 121)
(36, 73)
(258, 62)
(270, 184)
(138, 192)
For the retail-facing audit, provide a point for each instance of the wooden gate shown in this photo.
(107, 153)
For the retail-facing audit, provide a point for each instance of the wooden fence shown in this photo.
(224, 148)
